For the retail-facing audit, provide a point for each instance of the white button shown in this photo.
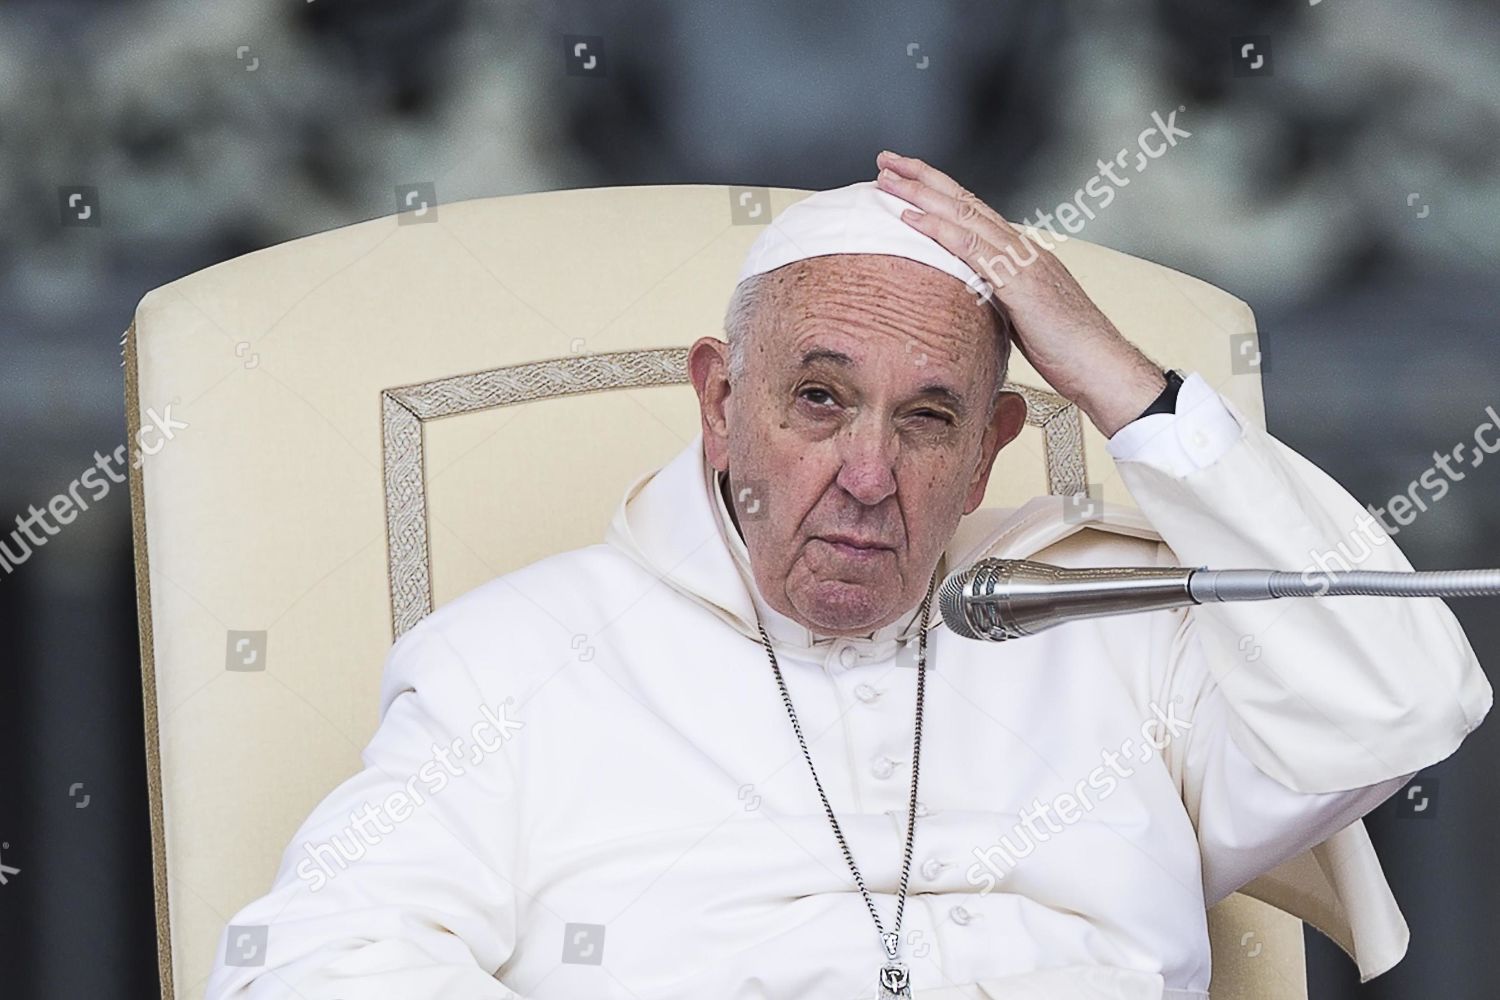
(921, 808)
(1199, 440)
(960, 915)
(883, 767)
(848, 657)
(932, 868)
(866, 693)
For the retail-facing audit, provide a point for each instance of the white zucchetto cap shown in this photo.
(856, 218)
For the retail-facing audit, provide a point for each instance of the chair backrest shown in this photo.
(375, 419)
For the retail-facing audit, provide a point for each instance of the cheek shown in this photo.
(792, 476)
(801, 479)
(933, 497)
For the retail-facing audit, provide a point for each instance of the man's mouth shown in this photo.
(852, 547)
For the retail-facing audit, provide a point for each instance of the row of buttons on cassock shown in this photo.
(883, 767)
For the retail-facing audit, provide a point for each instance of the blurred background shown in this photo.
(1342, 175)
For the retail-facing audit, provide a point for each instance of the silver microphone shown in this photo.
(999, 599)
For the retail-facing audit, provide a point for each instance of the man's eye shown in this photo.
(824, 396)
(934, 415)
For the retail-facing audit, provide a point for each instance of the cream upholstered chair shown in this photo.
(381, 417)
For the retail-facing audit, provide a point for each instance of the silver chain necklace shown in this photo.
(894, 980)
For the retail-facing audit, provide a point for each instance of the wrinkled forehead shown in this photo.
(874, 280)
(857, 297)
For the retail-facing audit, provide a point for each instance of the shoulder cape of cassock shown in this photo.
(1337, 886)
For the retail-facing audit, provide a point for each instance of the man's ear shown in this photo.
(708, 367)
(1006, 422)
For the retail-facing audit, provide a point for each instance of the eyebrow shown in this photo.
(936, 390)
(816, 354)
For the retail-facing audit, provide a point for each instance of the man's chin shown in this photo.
(843, 608)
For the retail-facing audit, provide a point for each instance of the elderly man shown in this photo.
(771, 773)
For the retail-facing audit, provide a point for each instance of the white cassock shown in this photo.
(624, 811)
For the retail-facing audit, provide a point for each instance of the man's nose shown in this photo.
(868, 463)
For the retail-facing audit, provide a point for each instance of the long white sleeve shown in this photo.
(1193, 437)
(1307, 714)
(1247, 822)
(1324, 694)
(426, 911)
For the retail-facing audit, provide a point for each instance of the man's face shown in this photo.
(860, 435)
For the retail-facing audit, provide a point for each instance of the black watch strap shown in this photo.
(1167, 401)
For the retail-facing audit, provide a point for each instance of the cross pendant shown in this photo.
(894, 981)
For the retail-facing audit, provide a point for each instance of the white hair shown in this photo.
(743, 317)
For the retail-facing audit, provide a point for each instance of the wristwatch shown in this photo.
(1167, 401)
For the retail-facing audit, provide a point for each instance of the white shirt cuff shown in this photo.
(1180, 443)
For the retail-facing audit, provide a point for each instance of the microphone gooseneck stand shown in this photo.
(999, 599)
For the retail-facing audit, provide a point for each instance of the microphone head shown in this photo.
(951, 602)
(999, 599)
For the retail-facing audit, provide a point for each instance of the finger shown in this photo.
(965, 206)
(977, 242)
(965, 212)
(983, 258)
(924, 173)
(910, 166)
(961, 241)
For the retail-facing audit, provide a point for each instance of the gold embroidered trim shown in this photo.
(406, 409)
(1062, 436)
(148, 670)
